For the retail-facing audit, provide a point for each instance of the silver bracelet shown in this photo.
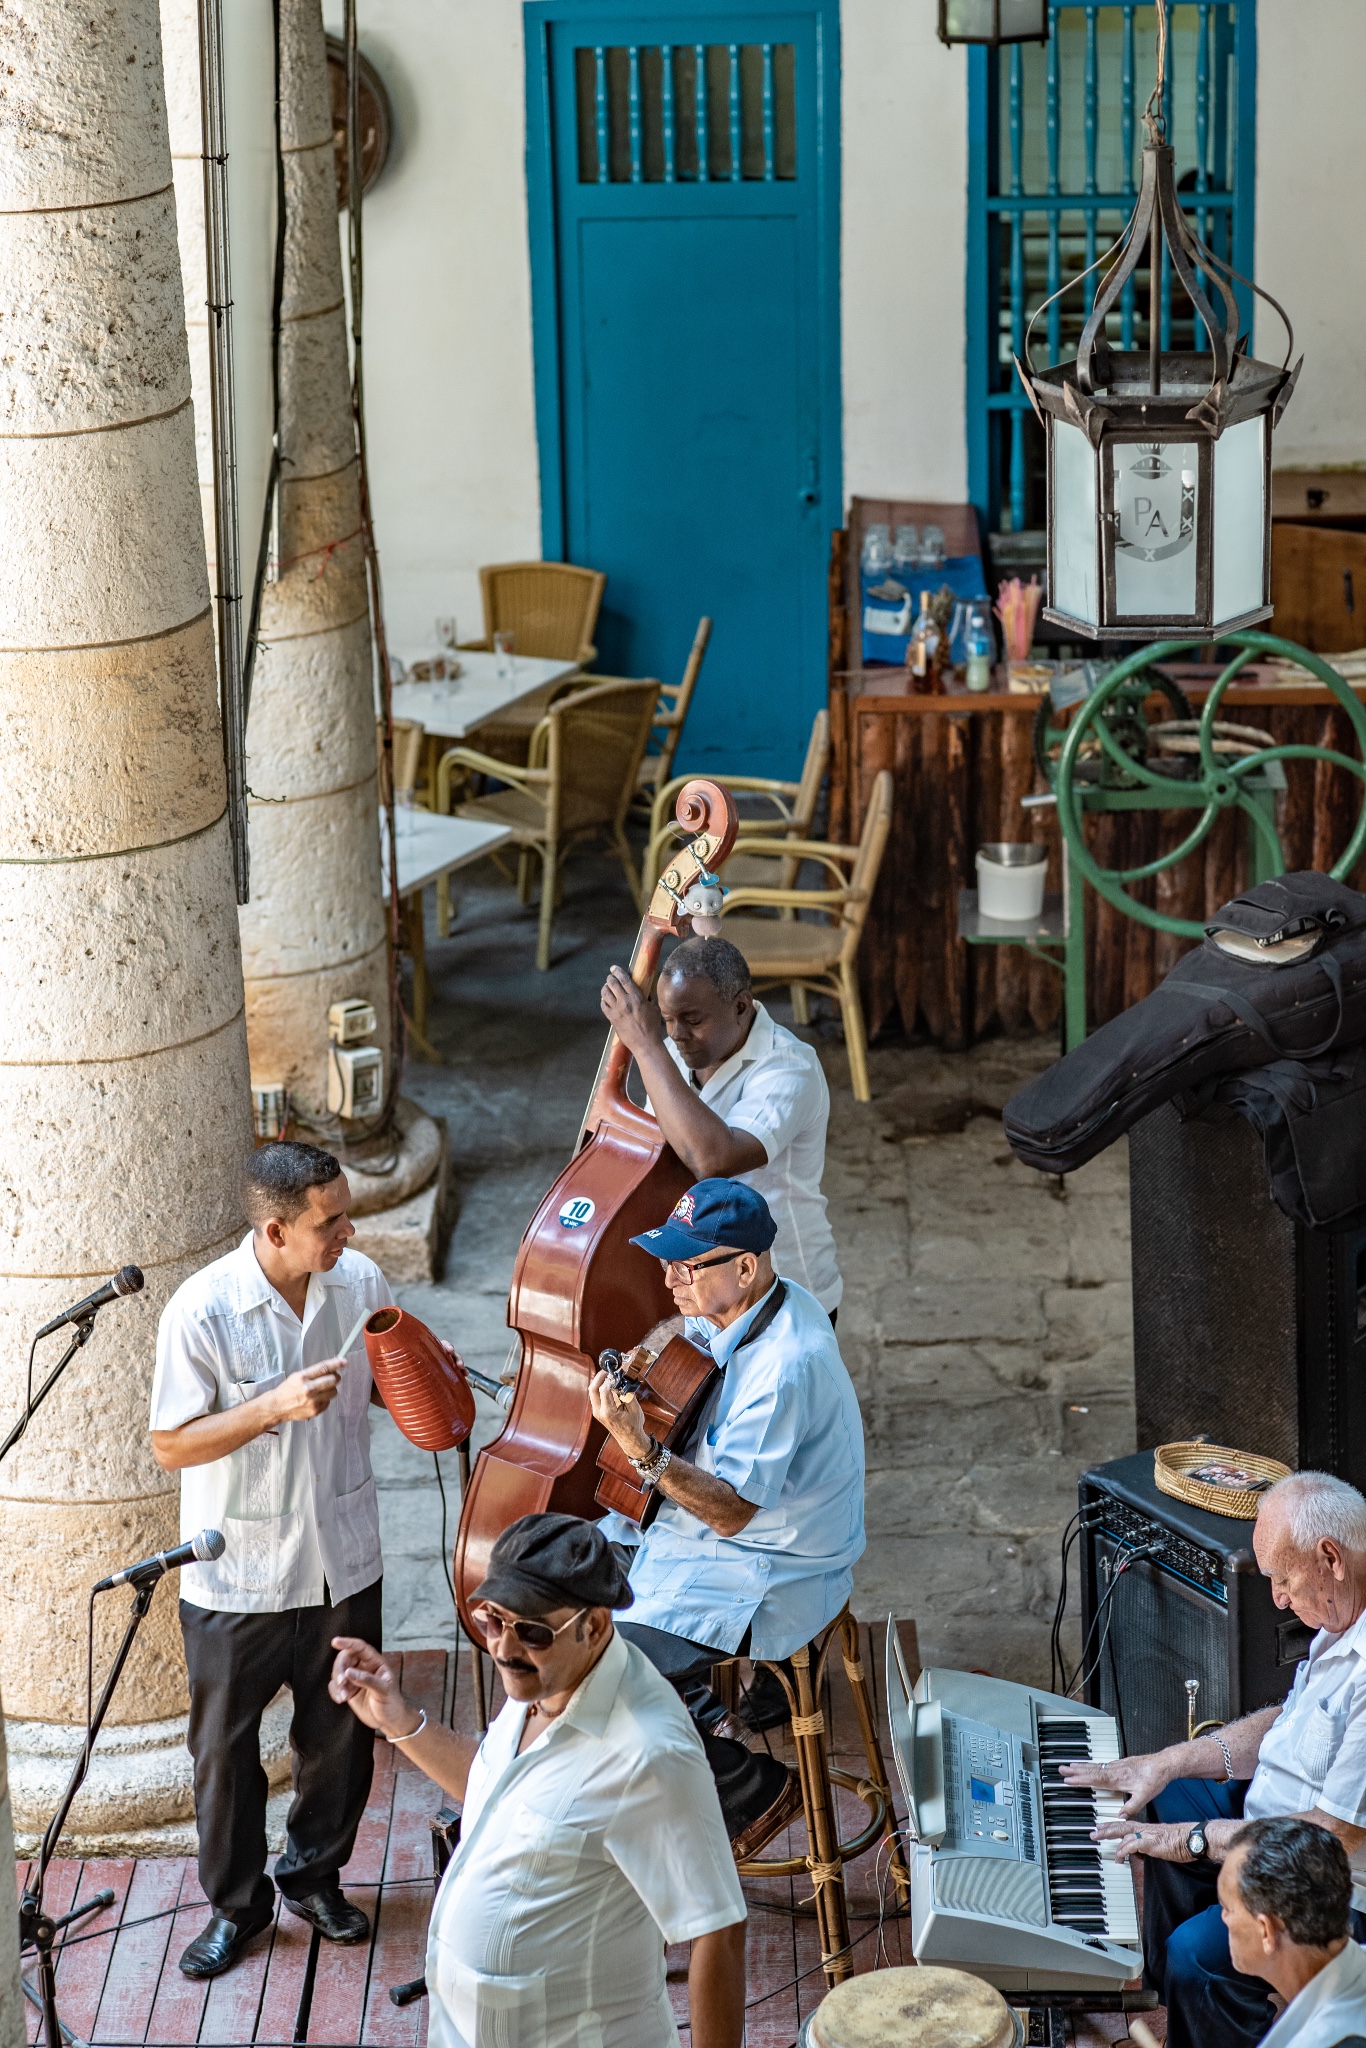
(1227, 1756)
(651, 1474)
(413, 1733)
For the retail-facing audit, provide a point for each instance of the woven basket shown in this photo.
(1172, 1465)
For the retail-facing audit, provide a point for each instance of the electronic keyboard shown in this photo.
(1005, 1879)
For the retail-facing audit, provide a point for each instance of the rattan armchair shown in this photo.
(819, 957)
(667, 724)
(551, 610)
(578, 784)
(408, 737)
(793, 812)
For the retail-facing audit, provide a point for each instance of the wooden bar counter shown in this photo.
(961, 764)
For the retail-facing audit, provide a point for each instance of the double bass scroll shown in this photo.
(579, 1286)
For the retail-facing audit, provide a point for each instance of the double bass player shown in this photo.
(736, 1095)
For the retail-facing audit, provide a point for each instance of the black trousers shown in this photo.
(747, 1781)
(237, 1663)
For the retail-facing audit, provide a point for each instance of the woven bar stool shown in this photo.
(826, 1855)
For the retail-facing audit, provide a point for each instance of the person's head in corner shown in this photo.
(1285, 1888)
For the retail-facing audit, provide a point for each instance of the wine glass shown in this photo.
(906, 548)
(876, 557)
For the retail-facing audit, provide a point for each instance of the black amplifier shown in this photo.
(1195, 1608)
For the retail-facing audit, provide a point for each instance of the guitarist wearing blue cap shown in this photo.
(753, 1548)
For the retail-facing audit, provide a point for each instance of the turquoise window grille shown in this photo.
(1055, 135)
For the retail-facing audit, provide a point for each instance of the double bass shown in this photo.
(579, 1286)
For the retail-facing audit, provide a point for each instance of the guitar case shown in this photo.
(1279, 977)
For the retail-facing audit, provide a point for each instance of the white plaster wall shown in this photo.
(448, 376)
(904, 241)
(1311, 78)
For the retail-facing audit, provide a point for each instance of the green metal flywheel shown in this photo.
(1220, 780)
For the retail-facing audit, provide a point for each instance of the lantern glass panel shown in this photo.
(1240, 519)
(970, 21)
(1073, 584)
(1152, 488)
(1021, 18)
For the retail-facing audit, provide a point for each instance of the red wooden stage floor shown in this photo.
(117, 1980)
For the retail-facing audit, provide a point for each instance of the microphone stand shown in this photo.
(37, 1930)
(85, 1329)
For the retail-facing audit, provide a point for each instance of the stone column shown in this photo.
(13, 2032)
(123, 1071)
(314, 931)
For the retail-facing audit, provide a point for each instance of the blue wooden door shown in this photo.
(683, 180)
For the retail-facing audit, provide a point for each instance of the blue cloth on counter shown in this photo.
(962, 573)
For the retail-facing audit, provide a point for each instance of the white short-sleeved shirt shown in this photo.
(783, 1427)
(1330, 2007)
(296, 1505)
(577, 1861)
(1314, 1752)
(774, 1089)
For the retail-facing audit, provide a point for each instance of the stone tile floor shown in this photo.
(986, 1309)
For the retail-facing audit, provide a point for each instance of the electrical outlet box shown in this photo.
(351, 1022)
(269, 1110)
(355, 1079)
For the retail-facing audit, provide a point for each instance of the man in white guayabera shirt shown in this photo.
(269, 1428)
(737, 1096)
(590, 1832)
(1304, 1759)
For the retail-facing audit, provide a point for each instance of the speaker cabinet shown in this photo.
(1198, 1609)
(1248, 1329)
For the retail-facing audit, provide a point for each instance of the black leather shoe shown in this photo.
(221, 1944)
(764, 1704)
(332, 1913)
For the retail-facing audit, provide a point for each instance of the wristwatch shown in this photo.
(1195, 1840)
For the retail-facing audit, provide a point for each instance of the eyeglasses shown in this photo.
(534, 1635)
(691, 1266)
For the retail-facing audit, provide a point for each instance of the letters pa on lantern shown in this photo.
(1159, 463)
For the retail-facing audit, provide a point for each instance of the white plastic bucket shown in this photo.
(1010, 881)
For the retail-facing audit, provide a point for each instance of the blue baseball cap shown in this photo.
(713, 1214)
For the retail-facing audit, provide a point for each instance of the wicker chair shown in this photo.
(670, 716)
(578, 785)
(551, 608)
(412, 938)
(793, 813)
(820, 957)
(408, 737)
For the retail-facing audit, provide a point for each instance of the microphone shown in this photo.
(128, 1280)
(200, 1549)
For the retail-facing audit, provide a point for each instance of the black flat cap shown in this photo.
(541, 1562)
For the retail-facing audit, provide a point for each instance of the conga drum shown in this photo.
(915, 2008)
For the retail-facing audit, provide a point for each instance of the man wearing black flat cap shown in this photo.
(753, 1548)
(591, 1833)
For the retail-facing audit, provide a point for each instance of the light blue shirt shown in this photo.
(783, 1427)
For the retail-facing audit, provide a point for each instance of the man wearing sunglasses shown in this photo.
(590, 1832)
(761, 1520)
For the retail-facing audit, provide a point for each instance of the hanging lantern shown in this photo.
(993, 21)
(1159, 463)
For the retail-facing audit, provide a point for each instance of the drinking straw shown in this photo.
(1017, 607)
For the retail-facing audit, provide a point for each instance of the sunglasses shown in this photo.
(691, 1266)
(533, 1635)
